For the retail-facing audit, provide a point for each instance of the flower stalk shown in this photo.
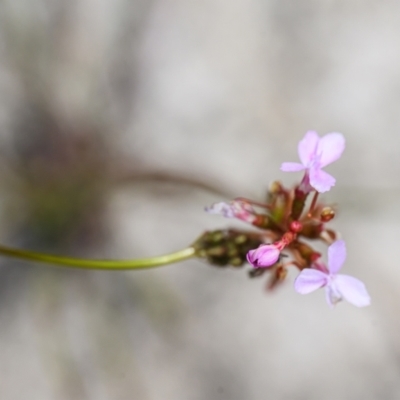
(81, 263)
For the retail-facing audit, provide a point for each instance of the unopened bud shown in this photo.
(275, 187)
(264, 256)
(327, 214)
(296, 226)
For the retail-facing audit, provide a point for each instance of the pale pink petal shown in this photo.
(309, 280)
(332, 294)
(320, 180)
(352, 290)
(307, 147)
(336, 256)
(221, 208)
(305, 186)
(292, 167)
(263, 256)
(330, 148)
(239, 206)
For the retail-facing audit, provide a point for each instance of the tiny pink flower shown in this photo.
(234, 209)
(264, 256)
(337, 287)
(315, 153)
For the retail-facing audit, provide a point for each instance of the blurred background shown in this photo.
(119, 121)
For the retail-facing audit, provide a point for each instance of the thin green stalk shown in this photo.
(143, 263)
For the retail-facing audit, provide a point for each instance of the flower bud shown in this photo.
(275, 187)
(296, 226)
(264, 256)
(327, 214)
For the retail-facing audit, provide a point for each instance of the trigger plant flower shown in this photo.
(286, 220)
(289, 221)
(337, 286)
(316, 153)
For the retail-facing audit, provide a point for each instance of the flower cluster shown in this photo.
(286, 225)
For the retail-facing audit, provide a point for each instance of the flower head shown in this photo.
(337, 287)
(315, 153)
(264, 256)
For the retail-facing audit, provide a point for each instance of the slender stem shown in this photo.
(99, 264)
(313, 203)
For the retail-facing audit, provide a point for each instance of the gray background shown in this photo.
(119, 121)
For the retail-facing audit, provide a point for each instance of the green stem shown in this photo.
(99, 264)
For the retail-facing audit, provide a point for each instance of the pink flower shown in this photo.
(264, 256)
(235, 209)
(337, 287)
(315, 153)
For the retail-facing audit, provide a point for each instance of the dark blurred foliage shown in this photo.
(61, 180)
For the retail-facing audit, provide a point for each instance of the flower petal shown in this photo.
(264, 256)
(222, 208)
(332, 294)
(330, 148)
(320, 180)
(353, 290)
(292, 167)
(307, 147)
(309, 280)
(336, 256)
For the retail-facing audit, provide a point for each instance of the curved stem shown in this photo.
(98, 264)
